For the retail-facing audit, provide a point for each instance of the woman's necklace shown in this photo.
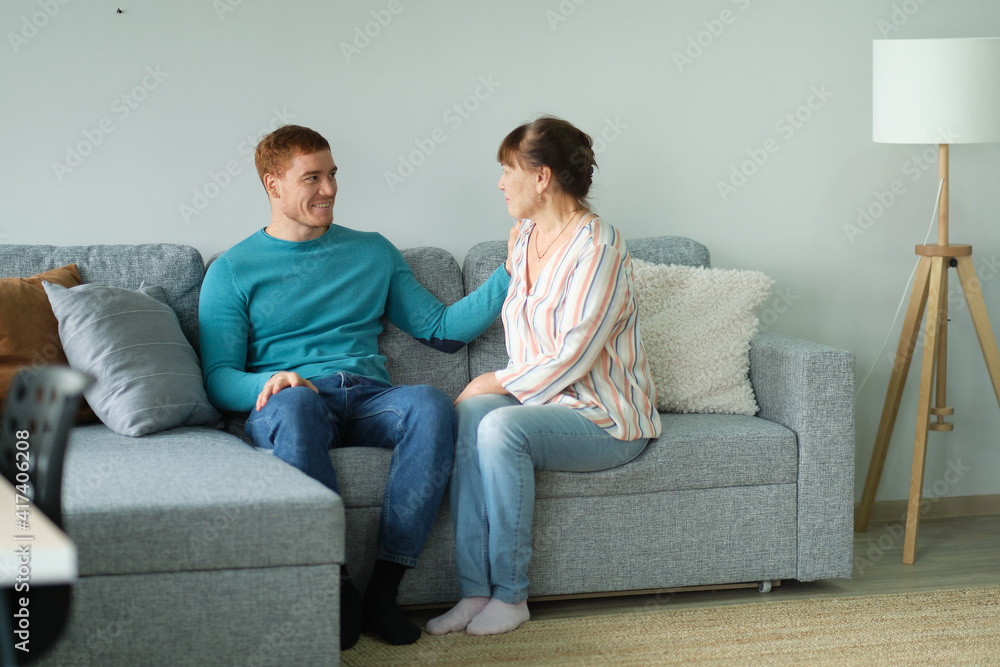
(555, 238)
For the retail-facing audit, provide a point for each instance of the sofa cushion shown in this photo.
(178, 268)
(148, 376)
(694, 452)
(411, 362)
(489, 353)
(192, 498)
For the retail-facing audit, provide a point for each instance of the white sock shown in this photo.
(498, 617)
(458, 618)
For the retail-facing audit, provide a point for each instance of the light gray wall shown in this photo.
(140, 109)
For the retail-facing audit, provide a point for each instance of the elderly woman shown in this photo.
(577, 393)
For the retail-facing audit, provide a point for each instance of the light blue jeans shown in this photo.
(500, 445)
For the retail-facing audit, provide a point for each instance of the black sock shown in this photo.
(381, 614)
(350, 611)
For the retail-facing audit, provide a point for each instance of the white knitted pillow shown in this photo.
(696, 325)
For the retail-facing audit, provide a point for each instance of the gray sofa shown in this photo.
(197, 549)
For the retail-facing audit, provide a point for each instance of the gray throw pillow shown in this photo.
(148, 376)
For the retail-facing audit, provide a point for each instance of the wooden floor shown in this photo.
(951, 553)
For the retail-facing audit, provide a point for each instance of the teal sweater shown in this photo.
(315, 307)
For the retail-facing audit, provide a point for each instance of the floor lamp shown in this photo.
(932, 91)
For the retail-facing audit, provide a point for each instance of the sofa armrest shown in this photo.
(809, 388)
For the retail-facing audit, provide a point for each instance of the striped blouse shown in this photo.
(573, 339)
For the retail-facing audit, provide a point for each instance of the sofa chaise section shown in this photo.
(194, 548)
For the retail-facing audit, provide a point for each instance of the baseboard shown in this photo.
(891, 511)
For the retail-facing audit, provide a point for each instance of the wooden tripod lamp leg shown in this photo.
(924, 406)
(900, 369)
(941, 409)
(980, 320)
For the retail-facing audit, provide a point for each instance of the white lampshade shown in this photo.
(936, 91)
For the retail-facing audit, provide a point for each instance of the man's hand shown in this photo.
(511, 240)
(279, 381)
(486, 383)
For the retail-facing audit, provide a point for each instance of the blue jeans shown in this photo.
(500, 445)
(416, 422)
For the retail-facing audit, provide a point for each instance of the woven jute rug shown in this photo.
(959, 627)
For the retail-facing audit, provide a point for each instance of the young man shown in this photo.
(289, 322)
